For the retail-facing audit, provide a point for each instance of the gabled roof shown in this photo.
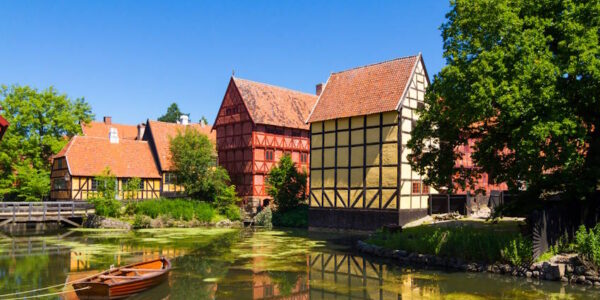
(89, 156)
(272, 105)
(365, 90)
(163, 132)
(100, 129)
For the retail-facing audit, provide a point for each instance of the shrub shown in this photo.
(466, 242)
(264, 218)
(295, 217)
(179, 209)
(232, 212)
(141, 221)
(286, 185)
(587, 244)
(106, 207)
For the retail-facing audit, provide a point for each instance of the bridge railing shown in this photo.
(43, 211)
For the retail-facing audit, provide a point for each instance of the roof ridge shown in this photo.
(275, 86)
(377, 63)
(171, 123)
(107, 139)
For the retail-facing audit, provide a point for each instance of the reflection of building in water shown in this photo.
(80, 260)
(334, 276)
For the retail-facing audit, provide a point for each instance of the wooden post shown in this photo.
(44, 213)
(30, 209)
(72, 209)
(14, 212)
(58, 220)
(448, 203)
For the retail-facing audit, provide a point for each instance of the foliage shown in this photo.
(286, 185)
(295, 217)
(107, 184)
(466, 242)
(172, 115)
(179, 209)
(141, 221)
(40, 124)
(522, 78)
(34, 184)
(204, 120)
(194, 158)
(232, 212)
(106, 207)
(587, 244)
(518, 251)
(131, 188)
(264, 218)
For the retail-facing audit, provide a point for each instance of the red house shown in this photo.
(3, 125)
(256, 125)
(483, 183)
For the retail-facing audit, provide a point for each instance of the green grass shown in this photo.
(178, 209)
(472, 243)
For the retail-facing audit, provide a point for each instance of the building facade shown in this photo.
(256, 125)
(3, 125)
(141, 151)
(360, 177)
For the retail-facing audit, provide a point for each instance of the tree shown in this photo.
(172, 115)
(131, 188)
(41, 123)
(523, 80)
(287, 186)
(204, 120)
(194, 158)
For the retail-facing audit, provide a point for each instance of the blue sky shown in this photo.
(131, 59)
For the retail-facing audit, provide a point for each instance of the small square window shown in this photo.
(269, 155)
(416, 187)
(303, 157)
(141, 185)
(94, 186)
(425, 189)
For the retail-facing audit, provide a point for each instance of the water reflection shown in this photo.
(241, 264)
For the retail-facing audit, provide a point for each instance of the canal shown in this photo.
(249, 264)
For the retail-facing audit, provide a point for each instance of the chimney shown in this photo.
(141, 129)
(319, 88)
(184, 119)
(107, 120)
(113, 135)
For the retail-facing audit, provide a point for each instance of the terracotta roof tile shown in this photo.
(162, 133)
(100, 129)
(272, 105)
(364, 90)
(89, 156)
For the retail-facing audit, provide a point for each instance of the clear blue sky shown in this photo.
(131, 59)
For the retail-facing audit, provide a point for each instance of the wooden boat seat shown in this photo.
(140, 270)
(119, 277)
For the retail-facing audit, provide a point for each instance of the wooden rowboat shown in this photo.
(122, 282)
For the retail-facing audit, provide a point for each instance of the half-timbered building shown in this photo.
(360, 177)
(75, 167)
(3, 126)
(256, 125)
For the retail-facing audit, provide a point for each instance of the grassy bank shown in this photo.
(471, 242)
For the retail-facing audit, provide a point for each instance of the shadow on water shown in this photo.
(250, 264)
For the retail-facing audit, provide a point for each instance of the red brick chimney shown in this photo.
(319, 88)
(107, 120)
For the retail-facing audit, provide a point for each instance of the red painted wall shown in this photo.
(482, 183)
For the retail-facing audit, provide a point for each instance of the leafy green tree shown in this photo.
(287, 186)
(523, 79)
(195, 160)
(41, 123)
(131, 188)
(172, 115)
(104, 200)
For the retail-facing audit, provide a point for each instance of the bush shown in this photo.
(232, 212)
(466, 242)
(264, 218)
(295, 217)
(106, 207)
(179, 209)
(587, 244)
(286, 185)
(141, 221)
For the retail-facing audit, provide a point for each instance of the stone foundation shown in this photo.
(360, 219)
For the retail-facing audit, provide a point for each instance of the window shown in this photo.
(141, 184)
(303, 157)
(269, 155)
(170, 178)
(94, 185)
(231, 111)
(420, 105)
(296, 133)
(425, 189)
(274, 130)
(416, 187)
(60, 184)
(59, 163)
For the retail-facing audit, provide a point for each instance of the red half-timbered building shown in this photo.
(3, 125)
(256, 125)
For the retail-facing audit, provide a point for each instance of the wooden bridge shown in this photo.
(32, 212)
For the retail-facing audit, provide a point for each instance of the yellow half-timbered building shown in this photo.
(360, 177)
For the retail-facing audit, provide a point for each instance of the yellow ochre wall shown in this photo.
(172, 188)
(361, 162)
(81, 189)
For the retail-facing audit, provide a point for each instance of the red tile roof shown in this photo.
(89, 156)
(162, 133)
(100, 129)
(272, 105)
(364, 90)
